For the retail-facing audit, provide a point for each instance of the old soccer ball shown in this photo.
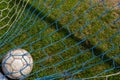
(17, 63)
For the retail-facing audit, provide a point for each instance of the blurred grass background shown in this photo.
(52, 29)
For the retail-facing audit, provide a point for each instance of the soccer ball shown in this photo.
(17, 64)
(2, 77)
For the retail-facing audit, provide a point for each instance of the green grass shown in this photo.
(67, 44)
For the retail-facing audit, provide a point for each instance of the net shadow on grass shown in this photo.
(87, 44)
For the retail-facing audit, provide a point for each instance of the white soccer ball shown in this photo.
(17, 64)
(2, 77)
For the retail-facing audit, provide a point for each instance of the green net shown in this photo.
(68, 39)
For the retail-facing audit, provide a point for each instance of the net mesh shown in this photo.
(67, 39)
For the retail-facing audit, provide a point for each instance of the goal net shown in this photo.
(68, 39)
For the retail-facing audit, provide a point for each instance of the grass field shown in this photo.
(79, 38)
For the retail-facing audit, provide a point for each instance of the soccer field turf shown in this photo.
(79, 37)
